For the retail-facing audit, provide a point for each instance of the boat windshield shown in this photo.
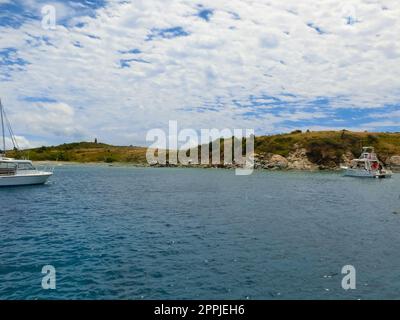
(358, 165)
(25, 166)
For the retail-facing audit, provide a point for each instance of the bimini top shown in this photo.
(11, 160)
(368, 154)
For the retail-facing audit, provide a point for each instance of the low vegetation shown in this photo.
(327, 146)
(323, 147)
(84, 152)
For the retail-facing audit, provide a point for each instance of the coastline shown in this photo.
(138, 165)
(299, 151)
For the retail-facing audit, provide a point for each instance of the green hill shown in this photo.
(325, 149)
(84, 152)
(329, 147)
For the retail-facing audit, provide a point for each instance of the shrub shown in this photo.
(110, 159)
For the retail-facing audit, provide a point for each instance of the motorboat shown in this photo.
(367, 166)
(16, 172)
(21, 173)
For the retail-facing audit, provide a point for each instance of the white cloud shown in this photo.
(57, 119)
(22, 143)
(306, 49)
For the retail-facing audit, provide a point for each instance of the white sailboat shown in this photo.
(15, 172)
(367, 166)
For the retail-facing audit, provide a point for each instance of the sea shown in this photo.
(118, 232)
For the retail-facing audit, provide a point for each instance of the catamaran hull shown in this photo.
(19, 180)
(366, 174)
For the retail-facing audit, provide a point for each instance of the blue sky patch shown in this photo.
(39, 99)
(234, 15)
(316, 28)
(14, 15)
(205, 14)
(168, 33)
(126, 63)
(17, 12)
(9, 57)
(132, 51)
(78, 44)
(37, 41)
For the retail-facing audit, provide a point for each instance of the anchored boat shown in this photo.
(15, 172)
(367, 166)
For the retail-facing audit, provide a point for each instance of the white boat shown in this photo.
(15, 172)
(367, 166)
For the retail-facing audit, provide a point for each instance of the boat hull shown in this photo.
(24, 180)
(366, 174)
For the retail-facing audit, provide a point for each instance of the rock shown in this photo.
(298, 160)
(347, 158)
(277, 161)
(270, 161)
(329, 165)
(394, 161)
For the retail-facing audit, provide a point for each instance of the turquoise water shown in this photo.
(140, 233)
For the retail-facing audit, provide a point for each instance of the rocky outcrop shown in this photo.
(270, 161)
(277, 161)
(394, 162)
(298, 160)
(259, 161)
(347, 158)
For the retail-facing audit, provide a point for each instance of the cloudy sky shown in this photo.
(114, 69)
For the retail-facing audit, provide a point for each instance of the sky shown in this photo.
(115, 69)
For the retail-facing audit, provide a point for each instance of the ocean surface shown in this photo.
(162, 233)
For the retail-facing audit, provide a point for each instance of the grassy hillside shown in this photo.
(327, 146)
(323, 147)
(84, 152)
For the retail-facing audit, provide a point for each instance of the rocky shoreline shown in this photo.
(297, 160)
(301, 151)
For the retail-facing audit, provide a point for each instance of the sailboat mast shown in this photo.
(3, 129)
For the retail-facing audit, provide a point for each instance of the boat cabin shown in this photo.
(10, 167)
(7, 168)
(367, 161)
